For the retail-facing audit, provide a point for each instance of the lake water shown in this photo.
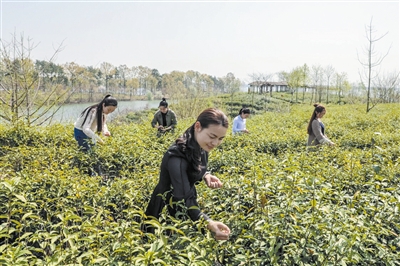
(70, 112)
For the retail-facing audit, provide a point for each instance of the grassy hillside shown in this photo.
(285, 205)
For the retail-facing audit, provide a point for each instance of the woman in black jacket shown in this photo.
(185, 164)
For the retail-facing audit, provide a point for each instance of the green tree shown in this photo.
(186, 91)
(232, 85)
(107, 71)
(123, 74)
(50, 73)
(95, 77)
(218, 84)
(208, 84)
(142, 73)
(79, 79)
(341, 85)
(132, 86)
(156, 75)
(295, 80)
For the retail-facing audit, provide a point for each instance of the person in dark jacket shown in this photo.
(184, 165)
(164, 119)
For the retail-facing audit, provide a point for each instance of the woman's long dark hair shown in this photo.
(318, 109)
(188, 144)
(108, 100)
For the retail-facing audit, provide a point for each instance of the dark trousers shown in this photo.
(82, 139)
(86, 146)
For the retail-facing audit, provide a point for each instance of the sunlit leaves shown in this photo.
(285, 205)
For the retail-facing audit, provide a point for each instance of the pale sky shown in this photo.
(211, 37)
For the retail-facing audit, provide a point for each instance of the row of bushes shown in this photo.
(285, 205)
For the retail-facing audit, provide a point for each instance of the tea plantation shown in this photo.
(285, 205)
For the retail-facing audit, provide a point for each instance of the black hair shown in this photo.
(188, 144)
(108, 101)
(318, 109)
(163, 103)
(244, 110)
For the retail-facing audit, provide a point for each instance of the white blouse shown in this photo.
(90, 126)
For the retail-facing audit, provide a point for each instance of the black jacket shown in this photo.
(177, 181)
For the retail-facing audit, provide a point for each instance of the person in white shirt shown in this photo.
(92, 122)
(239, 123)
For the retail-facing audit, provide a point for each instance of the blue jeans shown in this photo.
(83, 140)
(85, 145)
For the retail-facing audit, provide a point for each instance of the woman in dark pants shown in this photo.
(184, 165)
(92, 122)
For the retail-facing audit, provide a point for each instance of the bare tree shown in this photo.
(265, 77)
(316, 76)
(255, 81)
(387, 87)
(372, 61)
(283, 76)
(329, 70)
(21, 99)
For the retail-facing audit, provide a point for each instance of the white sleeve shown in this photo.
(105, 128)
(86, 127)
(235, 127)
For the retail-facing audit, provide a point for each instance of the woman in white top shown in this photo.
(239, 123)
(92, 121)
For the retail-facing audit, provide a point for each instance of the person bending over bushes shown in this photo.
(91, 123)
(185, 164)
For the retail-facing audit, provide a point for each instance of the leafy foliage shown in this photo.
(284, 204)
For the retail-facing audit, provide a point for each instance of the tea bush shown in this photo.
(284, 204)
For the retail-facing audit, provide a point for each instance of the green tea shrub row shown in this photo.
(285, 205)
